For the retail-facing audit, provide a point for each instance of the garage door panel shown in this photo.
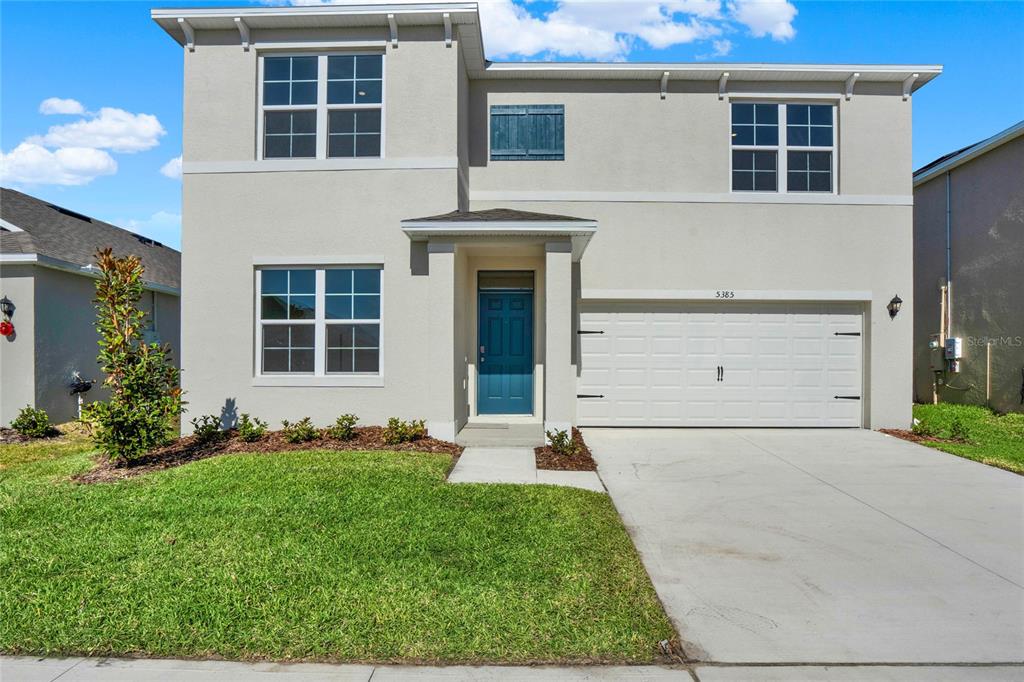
(783, 364)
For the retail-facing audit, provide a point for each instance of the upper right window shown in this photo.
(783, 147)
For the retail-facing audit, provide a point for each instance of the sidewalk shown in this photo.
(28, 669)
(480, 464)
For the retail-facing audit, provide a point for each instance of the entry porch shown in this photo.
(503, 287)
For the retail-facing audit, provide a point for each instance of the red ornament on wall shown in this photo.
(6, 328)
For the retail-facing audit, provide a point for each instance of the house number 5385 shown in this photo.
(725, 294)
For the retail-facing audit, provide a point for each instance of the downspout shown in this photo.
(947, 330)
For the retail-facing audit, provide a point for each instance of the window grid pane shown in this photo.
(288, 295)
(809, 125)
(289, 134)
(289, 80)
(353, 348)
(353, 133)
(809, 171)
(754, 171)
(288, 348)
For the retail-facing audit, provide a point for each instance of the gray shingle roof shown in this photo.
(56, 232)
(496, 215)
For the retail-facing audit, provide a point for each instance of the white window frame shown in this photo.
(319, 376)
(321, 107)
(782, 149)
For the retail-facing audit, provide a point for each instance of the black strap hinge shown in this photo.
(588, 395)
(846, 334)
(588, 331)
(846, 397)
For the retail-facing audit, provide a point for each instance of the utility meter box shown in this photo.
(954, 348)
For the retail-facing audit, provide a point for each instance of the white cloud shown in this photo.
(30, 164)
(114, 129)
(612, 29)
(719, 48)
(56, 105)
(172, 168)
(163, 226)
(766, 17)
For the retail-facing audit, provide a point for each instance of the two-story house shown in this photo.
(379, 220)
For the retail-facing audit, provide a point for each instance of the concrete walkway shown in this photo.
(26, 669)
(823, 546)
(516, 465)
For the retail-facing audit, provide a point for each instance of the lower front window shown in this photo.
(319, 321)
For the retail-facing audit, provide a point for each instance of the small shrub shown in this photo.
(206, 429)
(923, 429)
(344, 427)
(562, 443)
(301, 431)
(251, 429)
(33, 423)
(958, 430)
(398, 431)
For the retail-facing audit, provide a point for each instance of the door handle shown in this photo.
(721, 373)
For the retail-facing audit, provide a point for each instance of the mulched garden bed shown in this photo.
(550, 460)
(906, 434)
(185, 450)
(8, 436)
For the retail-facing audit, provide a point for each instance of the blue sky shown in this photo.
(126, 74)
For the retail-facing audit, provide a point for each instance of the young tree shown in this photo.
(145, 398)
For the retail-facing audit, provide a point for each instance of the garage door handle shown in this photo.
(846, 397)
(588, 395)
(721, 373)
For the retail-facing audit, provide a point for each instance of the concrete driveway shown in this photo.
(815, 546)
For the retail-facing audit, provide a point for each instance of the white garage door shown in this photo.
(714, 364)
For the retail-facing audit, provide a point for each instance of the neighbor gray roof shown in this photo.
(496, 215)
(950, 161)
(61, 234)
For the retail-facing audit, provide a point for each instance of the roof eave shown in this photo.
(75, 269)
(972, 152)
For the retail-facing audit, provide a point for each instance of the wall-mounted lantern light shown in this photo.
(894, 306)
(6, 307)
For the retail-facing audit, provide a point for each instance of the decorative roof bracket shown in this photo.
(664, 84)
(447, 29)
(393, 26)
(190, 36)
(721, 84)
(908, 84)
(243, 30)
(849, 83)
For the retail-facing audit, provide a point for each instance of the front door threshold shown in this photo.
(482, 432)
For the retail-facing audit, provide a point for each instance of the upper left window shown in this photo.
(322, 106)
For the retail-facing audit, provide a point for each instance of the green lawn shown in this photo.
(314, 555)
(994, 439)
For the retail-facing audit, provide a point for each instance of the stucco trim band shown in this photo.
(684, 198)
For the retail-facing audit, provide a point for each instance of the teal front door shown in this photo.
(505, 358)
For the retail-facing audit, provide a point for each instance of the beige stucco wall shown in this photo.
(17, 353)
(987, 228)
(620, 136)
(221, 106)
(766, 249)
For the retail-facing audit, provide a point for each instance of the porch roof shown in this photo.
(502, 222)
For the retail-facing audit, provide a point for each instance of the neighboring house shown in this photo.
(47, 272)
(969, 274)
(378, 220)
